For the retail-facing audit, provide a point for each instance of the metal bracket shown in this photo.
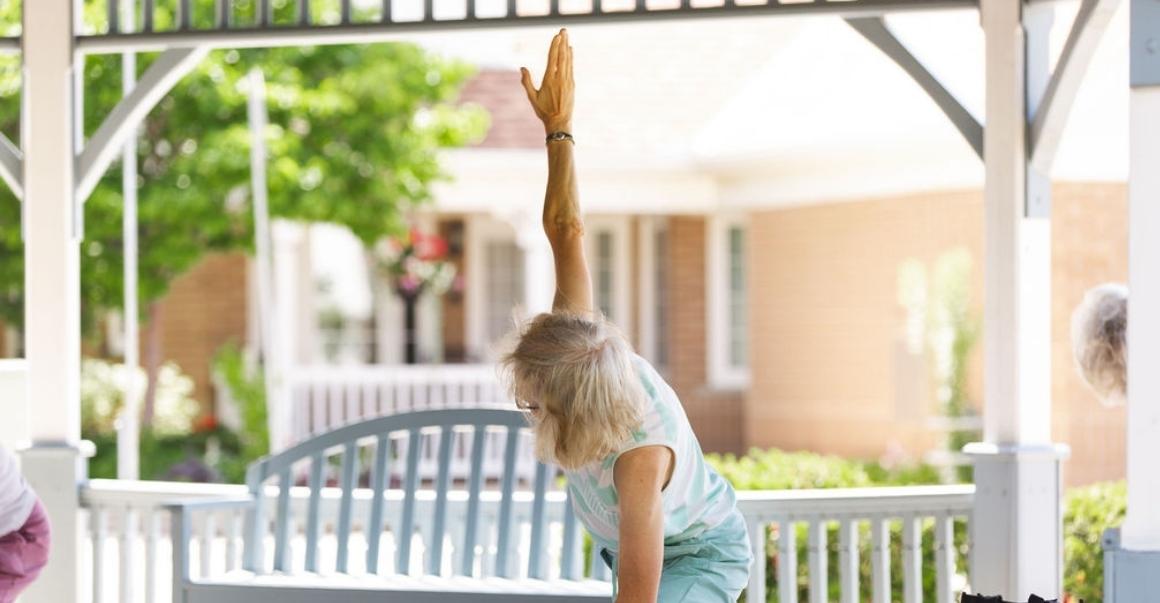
(1091, 21)
(1144, 47)
(110, 138)
(874, 29)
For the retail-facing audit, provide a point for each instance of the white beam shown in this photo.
(1017, 523)
(52, 278)
(156, 82)
(1141, 530)
(128, 430)
(875, 30)
(52, 289)
(1004, 199)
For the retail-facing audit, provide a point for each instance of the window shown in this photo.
(603, 266)
(660, 319)
(738, 307)
(608, 247)
(505, 286)
(653, 289)
(728, 302)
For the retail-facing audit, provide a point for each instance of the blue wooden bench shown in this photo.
(487, 525)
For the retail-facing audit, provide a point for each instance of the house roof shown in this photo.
(513, 125)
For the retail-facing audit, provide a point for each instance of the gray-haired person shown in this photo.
(1099, 338)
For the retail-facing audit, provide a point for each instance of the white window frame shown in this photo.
(647, 229)
(620, 229)
(722, 373)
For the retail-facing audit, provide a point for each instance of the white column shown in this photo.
(1016, 528)
(286, 243)
(52, 289)
(1132, 557)
(1141, 530)
(128, 431)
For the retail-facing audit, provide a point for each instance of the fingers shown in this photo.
(568, 64)
(565, 54)
(554, 54)
(526, 80)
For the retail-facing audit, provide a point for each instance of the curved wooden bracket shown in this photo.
(1047, 128)
(107, 143)
(875, 31)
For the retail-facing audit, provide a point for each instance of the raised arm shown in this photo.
(562, 218)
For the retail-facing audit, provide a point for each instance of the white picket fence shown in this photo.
(325, 397)
(129, 552)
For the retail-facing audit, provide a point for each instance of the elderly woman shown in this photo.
(1099, 332)
(661, 518)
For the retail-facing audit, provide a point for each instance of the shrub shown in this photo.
(1088, 512)
(775, 469)
(103, 385)
(247, 389)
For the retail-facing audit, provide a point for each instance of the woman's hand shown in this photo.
(553, 101)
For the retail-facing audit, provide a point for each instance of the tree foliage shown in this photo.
(353, 140)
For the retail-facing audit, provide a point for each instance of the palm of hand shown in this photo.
(554, 99)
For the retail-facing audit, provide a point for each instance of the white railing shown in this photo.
(325, 397)
(129, 553)
(911, 510)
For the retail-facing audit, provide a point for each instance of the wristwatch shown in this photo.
(557, 136)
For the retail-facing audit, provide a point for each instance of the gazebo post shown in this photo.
(1132, 561)
(52, 231)
(1016, 527)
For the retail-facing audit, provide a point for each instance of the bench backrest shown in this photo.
(387, 443)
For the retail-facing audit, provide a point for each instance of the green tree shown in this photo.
(353, 140)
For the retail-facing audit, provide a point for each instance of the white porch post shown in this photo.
(1132, 557)
(52, 289)
(1017, 520)
(1142, 527)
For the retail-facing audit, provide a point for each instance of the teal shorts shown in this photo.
(711, 568)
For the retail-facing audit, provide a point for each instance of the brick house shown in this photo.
(745, 232)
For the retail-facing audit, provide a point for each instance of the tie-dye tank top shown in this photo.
(696, 497)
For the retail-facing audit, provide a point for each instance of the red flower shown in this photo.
(428, 247)
(205, 423)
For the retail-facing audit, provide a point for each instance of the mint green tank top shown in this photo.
(696, 497)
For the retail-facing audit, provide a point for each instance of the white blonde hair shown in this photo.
(1099, 339)
(578, 373)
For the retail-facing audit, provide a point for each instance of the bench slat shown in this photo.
(435, 559)
(570, 557)
(313, 510)
(478, 438)
(281, 538)
(502, 567)
(381, 481)
(411, 484)
(349, 483)
(535, 563)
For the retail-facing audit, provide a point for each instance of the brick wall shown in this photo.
(831, 368)
(1090, 239)
(716, 416)
(204, 309)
